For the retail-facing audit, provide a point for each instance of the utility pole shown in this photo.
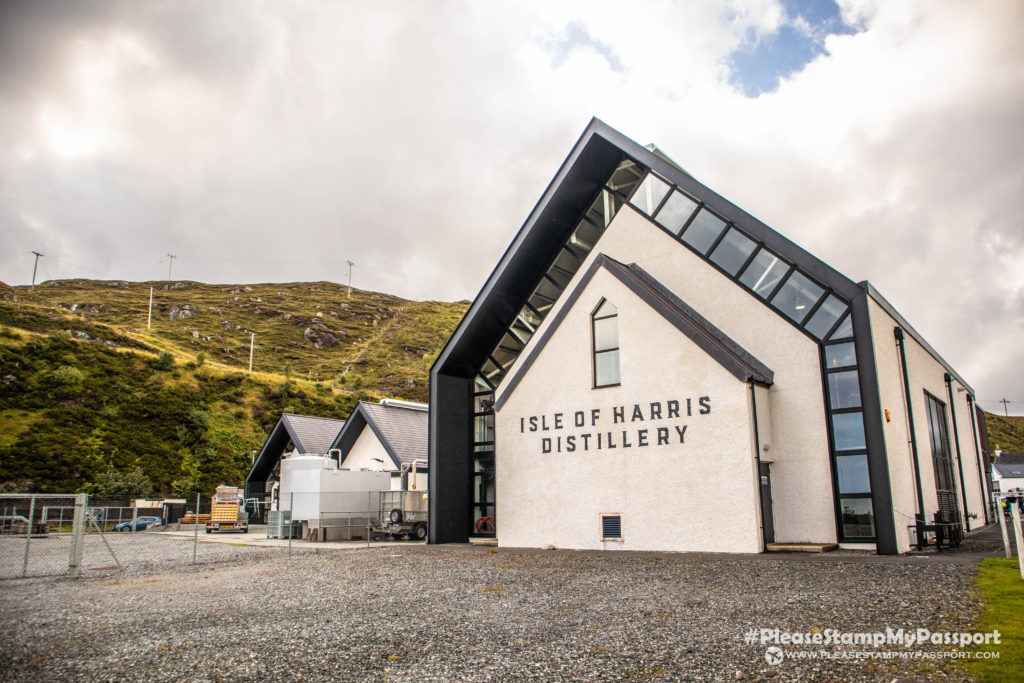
(169, 264)
(36, 265)
(149, 323)
(252, 344)
(1005, 411)
(350, 264)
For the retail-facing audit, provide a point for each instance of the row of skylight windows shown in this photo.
(759, 269)
(559, 273)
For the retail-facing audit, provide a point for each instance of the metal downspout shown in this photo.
(757, 459)
(898, 333)
(985, 494)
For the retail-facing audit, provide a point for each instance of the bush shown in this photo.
(165, 361)
(111, 485)
(200, 359)
(67, 376)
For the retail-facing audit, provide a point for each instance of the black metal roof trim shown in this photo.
(287, 427)
(730, 355)
(902, 322)
(401, 431)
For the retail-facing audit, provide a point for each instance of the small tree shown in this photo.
(165, 361)
(200, 359)
(113, 485)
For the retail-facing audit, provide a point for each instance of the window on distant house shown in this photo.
(606, 345)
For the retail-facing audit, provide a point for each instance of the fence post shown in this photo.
(135, 519)
(1015, 516)
(77, 535)
(28, 536)
(1002, 525)
(195, 528)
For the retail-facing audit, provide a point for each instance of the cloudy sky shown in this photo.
(274, 141)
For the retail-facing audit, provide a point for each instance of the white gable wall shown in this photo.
(362, 454)
(801, 472)
(696, 495)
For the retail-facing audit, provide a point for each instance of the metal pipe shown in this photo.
(898, 333)
(986, 493)
(956, 442)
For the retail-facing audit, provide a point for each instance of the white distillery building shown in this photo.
(649, 367)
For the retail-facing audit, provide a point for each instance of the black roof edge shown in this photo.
(362, 414)
(494, 296)
(888, 308)
(730, 355)
(273, 438)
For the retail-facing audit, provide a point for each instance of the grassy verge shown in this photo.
(1002, 590)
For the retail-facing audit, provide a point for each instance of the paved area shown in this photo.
(411, 612)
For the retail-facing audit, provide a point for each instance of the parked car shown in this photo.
(8, 521)
(140, 523)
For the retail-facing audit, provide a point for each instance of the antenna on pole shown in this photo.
(350, 264)
(36, 265)
(169, 264)
(1005, 411)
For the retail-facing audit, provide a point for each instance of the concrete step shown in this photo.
(800, 547)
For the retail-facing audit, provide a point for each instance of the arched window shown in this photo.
(605, 319)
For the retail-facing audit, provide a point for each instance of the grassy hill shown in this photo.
(87, 386)
(1005, 433)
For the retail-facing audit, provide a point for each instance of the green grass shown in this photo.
(1002, 591)
(1005, 433)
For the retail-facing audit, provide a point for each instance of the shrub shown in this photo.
(165, 361)
(67, 376)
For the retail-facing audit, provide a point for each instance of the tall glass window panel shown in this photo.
(858, 517)
(492, 372)
(676, 211)
(797, 296)
(764, 273)
(825, 317)
(606, 345)
(584, 237)
(848, 431)
(602, 211)
(844, 389)
(483, 402)
(625, 177)
(732, 252)
(650, 193)
(840, 355)
(845, 329)
(852, 471)
(703, 230)
(483, 428)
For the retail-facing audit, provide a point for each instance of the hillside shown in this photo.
(1005, 433)
(85, 387)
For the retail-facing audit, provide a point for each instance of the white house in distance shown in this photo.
(1008, 471)
(390, 436)
(649, 367)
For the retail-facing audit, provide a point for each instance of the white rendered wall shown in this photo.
(696, 495)
(925, 374)
(362, 454)
(801, 471)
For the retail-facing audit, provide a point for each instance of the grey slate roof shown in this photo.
(312, 434)
(1010, 464)
(401, 430)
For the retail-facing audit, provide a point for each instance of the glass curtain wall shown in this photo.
(533, 310)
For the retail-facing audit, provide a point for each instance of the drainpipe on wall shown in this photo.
(757, 464)
(919, 516)
(985, 493)
(956, 442)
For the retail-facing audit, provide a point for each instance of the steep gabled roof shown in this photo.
(596, 154)
(730, 355)
(308, 434)
(402, 430)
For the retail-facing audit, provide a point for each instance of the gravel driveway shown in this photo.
(426, 613)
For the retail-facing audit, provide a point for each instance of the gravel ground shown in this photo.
(438, 613)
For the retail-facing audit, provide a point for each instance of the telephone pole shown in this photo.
(169, 264)
(350, 264)
(36, 265)
(1005, 411)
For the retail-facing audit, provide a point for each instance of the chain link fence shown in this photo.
(73, 535)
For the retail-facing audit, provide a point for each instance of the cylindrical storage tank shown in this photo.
(300, 475)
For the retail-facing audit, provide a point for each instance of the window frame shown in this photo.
(593, 345)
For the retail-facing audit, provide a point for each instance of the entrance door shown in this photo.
(767, 518)
(942, 462)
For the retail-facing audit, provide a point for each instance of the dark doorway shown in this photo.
(767, 517)
(942, 462)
